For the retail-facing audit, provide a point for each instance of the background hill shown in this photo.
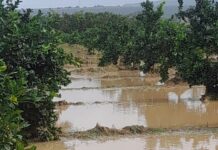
(170, 8)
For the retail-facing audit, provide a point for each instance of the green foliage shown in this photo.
(90, 39)
(71, 38)
(105, 32)
(113, 39)
(200, 44)
(146, 46)
(20, 146)
(12, 92)
(186, 44)
(35, 72)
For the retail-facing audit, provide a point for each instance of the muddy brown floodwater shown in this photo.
(203, 141)
(118, 99)
(124, 101)
(120, 102)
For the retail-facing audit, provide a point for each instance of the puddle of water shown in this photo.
(133, 98)
(190, 114)
(163, 142)
(150, 94)
(93, 83)
(157, 115)
(85, 117)
(83, 92)
(125, 101)
(127, 82)
(150, 106)
(90, 95)
(83, 83)
(55, 145)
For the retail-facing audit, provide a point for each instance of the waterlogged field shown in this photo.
(118, 98)
(201, 141)
(116, 105)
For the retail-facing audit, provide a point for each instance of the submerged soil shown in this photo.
(128, 102)
(168, 141)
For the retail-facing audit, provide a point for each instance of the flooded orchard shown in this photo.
(115, 103)
(119, 98)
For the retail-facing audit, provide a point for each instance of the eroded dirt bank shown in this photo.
(129, 103)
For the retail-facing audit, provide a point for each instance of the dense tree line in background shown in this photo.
(187, 42)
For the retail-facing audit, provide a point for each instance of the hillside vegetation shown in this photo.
(170, 8)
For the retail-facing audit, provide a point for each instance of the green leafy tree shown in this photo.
(201, 44)
(11, 122)
(12, 92)
(188, 44)
(102, 31)
(90, 39)
(113, 39)
(146, 45)
(31, 43)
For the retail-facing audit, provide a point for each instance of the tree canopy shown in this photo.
(187, 42)
(31, 73)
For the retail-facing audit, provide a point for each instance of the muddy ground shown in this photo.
(132, 110)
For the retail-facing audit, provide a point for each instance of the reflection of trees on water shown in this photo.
(82, 83)
(111, 94)
(138, 97)
(150, 143)
(164, 142)
(150, 103)
(183, 143)
(159, 112)
(196, 106)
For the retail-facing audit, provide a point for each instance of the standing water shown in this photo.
(124, 101)
(117, 99)
(120, 102)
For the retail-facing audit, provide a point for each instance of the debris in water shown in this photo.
(160, 83)
(100, 131)
(175, 81)
(97, 102)
(142, 74)
(78, 103)
(65, 103)
(187, 95)
(195, 93)
(173, 97)
(62, 103)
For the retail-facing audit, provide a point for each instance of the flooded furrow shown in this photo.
(84, 117)
(121, 105)
(203, 141)
(125, 99)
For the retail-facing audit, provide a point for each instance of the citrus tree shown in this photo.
(200, 47)
(31, 44)
(12, 92)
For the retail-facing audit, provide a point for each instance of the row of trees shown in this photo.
(31, 73)
(31, 63)
(187, 42)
